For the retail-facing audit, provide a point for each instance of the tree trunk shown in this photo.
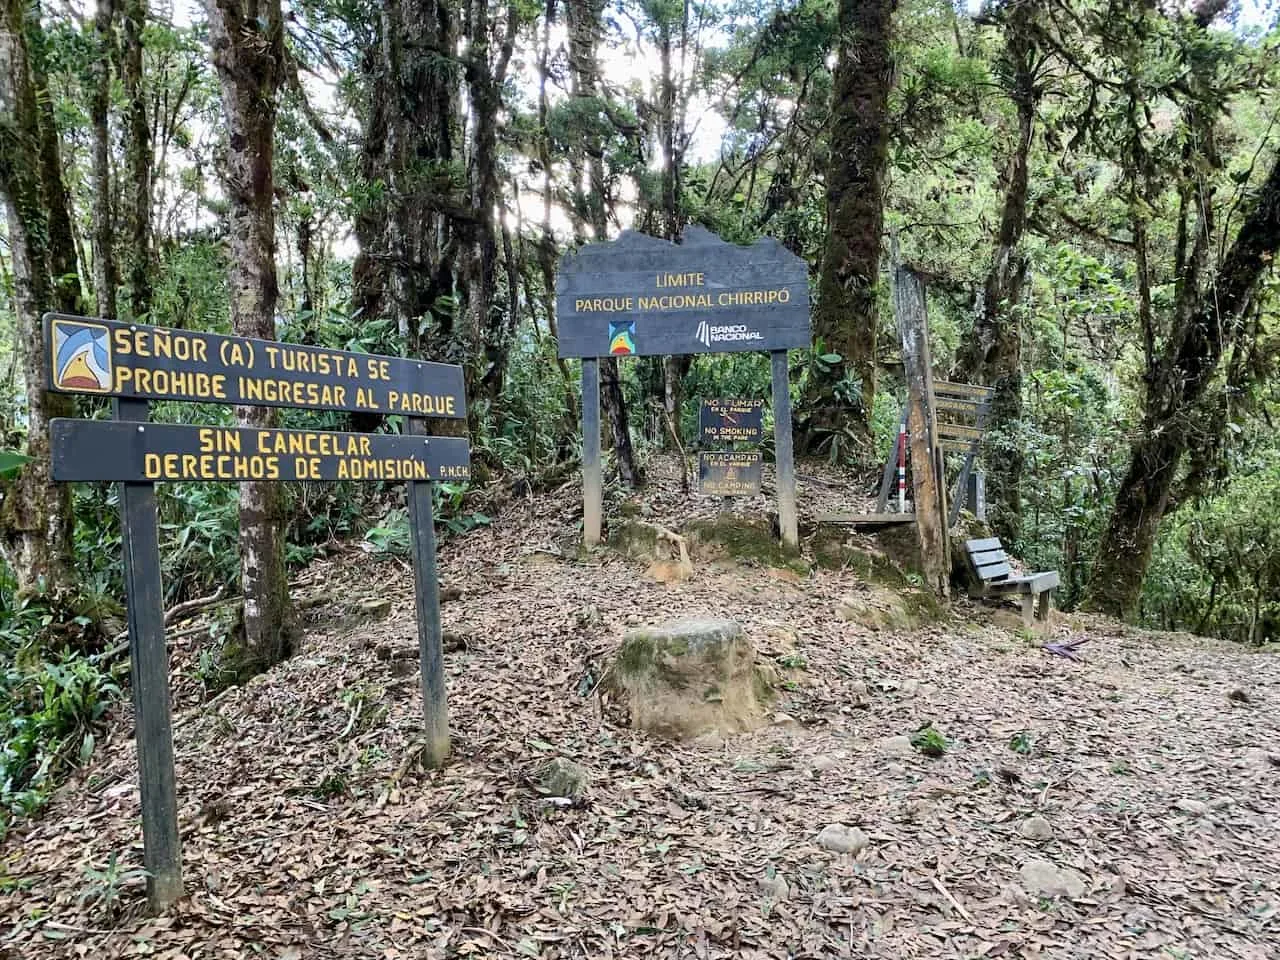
(1181, 377)
(247, 37)
(992, 354)
(104, 258)
(846, 318)
(584, 21)
(63, 263)
(486, 71)
(138, 164)
(426, 290)
(35, 516)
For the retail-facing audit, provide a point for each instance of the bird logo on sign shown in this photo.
(622, 338)
(81, 357)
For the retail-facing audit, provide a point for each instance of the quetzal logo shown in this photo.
(81, 357)
(622, 338)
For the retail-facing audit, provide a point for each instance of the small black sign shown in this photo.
(732, 421)
(640, 295)
(113, 359)
(725, 474)
(100, 450)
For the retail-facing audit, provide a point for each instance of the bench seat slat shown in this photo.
(994, 571)
(989, 557)
(980, 546)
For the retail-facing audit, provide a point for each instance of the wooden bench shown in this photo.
(993, 577)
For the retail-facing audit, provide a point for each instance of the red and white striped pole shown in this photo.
(902, 468)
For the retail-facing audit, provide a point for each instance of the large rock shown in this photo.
(838, 838)
(689, 677)
(1042, 878)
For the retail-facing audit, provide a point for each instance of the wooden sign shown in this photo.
(96, 451)
(731, 421)
(135, 364)
(959, 431)
(112, 359)
(967, 405)
(643, 296)
(947, 388)
(729, 474)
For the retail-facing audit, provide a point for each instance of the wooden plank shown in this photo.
(866, 519)
(788, 522)
(592, 478)
(989, 556)
(961, 404)
(731, 421)
(111, 358)
(994, 571)
(988, 543)
(100, 451)
(729, 473)
(926, 460)
(149, 671)
(951, 388)
(959, 431)
(426, 585)
(958, 446)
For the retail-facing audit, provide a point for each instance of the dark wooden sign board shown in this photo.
(134, 364)
(731, 421)
(643, 296)
(114, 359)
(729, 473)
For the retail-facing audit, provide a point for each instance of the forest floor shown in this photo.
(1127, 805)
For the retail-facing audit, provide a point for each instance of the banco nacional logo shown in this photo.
(81, 357)
(707, 334)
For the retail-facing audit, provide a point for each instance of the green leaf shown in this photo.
(831, 358)
(11, 462)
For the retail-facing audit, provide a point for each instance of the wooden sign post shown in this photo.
(929, 491)
(643, 296)
(134, 364)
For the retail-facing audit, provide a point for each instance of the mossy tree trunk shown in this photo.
(993, 352)
(846, 319)
(247, 37)
(36, 520)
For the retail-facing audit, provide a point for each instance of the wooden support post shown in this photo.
(926, 459)
(149, 672)
(426, 583)
(592, 480)
(784, 462)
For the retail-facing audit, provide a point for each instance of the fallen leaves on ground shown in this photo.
(309, 831)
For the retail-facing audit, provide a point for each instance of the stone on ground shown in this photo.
(875, 609)
(838, 838)
(1044, 879)
(563, 778)
(1036, 828)
(1197, 808)
(899, 746)
(684, 678)
(775, 888)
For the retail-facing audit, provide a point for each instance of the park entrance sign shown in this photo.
(135, 364)
(643, 296)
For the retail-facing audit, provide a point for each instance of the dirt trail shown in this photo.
(308, 833)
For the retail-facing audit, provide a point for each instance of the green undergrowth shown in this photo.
(53, 699)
